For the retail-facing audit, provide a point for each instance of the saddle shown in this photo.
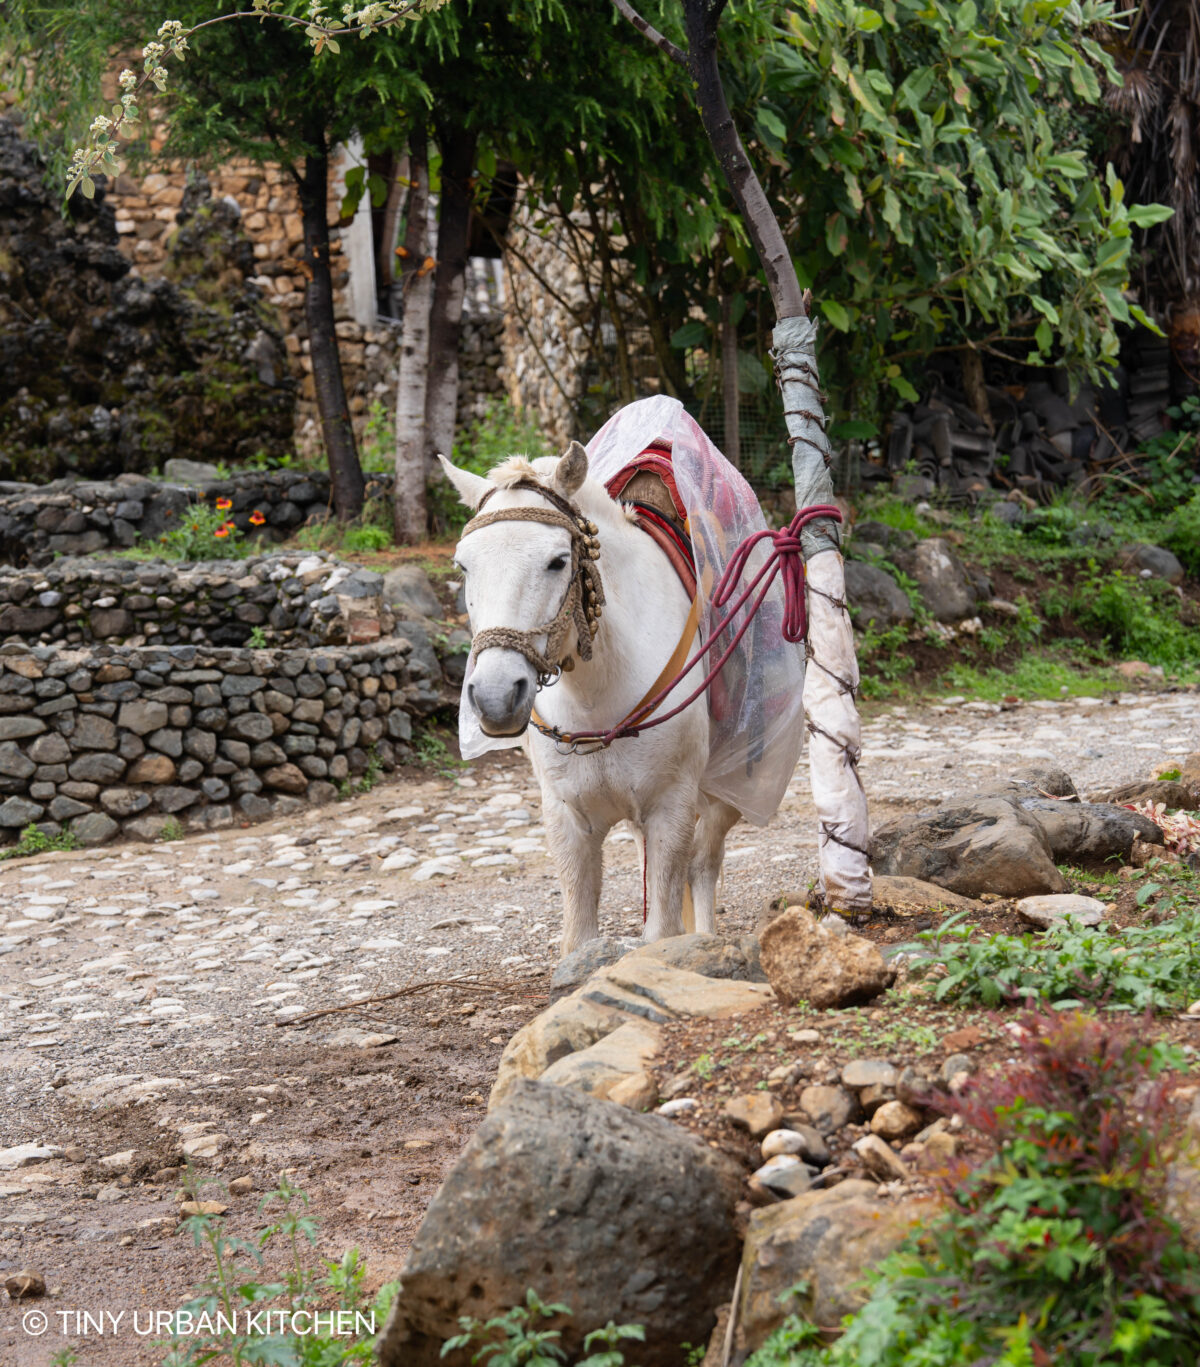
(647, 484)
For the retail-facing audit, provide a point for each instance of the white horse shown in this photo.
(519, 575)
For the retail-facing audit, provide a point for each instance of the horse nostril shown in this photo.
(471, 696)
(517, 695)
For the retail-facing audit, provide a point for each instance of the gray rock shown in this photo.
(804, 961)
(409, 586)
(172, 798)
(987, 845)
(13, 763)
(64, 808)
(251, 726)
(945, 586)
(869, 1072)
(123, 802)
(1044, 912)
(94, 829)
(1151, 561)
(108, 622)
(147, 828)
(1090, 832)
(18, 812)
(94, 733)
(1011, 514)
(17, 728)
(578, 966)
(97, 768)
(142, 716)
(50, 749)
(589, 1203)
(829, 1108)
(181, 471)
(874, 596)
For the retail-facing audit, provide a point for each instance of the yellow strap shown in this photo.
(669, 670)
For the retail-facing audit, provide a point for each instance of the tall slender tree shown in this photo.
(832, 678)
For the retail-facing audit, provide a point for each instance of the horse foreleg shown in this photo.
(576, 847)
(668, 840)
(708, 854)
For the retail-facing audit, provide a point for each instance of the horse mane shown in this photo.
(512, 471)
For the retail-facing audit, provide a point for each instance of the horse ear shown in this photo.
(471, 487)
(571, 470)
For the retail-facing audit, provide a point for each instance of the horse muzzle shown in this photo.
(502, 694)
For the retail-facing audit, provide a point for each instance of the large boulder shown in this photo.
(971, 846)
(804, 961)
(946, 588)
(408, 586)
(619, 1216)
(1089, 832)
(874, 597)
(712, 956)
(809, 1256)
(1173, 794)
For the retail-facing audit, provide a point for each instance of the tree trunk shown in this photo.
(345, 473)
(408, 506)
(445, 320)
(730, 391)
(974, 386)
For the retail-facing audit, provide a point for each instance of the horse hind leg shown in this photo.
(714, 823)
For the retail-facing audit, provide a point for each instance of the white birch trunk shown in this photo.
(413, 384)
(831, 679)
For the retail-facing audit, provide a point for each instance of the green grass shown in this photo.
(1032, 676)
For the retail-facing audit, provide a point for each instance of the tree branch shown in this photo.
(659, 40)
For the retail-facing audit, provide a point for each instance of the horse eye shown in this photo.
(558, 563)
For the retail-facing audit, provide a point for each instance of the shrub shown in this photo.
(1058, 1249)
(500, 433)
(203, 532)
(1181, 534)
(1152, 967)
(513, 1339)
(1137, 618)
(35, 841)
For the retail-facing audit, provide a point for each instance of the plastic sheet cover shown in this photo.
(756, 703)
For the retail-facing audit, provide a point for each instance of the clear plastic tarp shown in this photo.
(756, 703)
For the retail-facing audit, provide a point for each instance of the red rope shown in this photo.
(786, 555)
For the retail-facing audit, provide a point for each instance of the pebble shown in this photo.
(895, 1120)
(679, 1105)
(756, 1112)
(785, 1174)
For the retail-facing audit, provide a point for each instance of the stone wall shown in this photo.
(278, 600)
(39, 522)
(118, 740)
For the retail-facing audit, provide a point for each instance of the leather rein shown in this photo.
(584, 600)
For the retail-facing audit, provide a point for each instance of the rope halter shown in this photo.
(584, 598)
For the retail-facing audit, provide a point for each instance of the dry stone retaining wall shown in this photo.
(38, 522)
(118, 740)
(287, 599)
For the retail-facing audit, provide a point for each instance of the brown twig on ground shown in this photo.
(484, 984)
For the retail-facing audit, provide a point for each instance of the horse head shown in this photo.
(532, 594)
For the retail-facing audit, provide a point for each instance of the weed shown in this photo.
(1154, 967)
(1058, 1249)
(257, 639)
(1030, 676)
(377, 453)
(374, 771)
(883, 659)
(704, 1066)
(1138, 618)
(514, 1339)
(372, 532)
(232, 1313)
(171, 830)
(431, 749)
(35, 841)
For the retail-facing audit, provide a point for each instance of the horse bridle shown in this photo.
(583, 601)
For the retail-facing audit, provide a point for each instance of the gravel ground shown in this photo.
(147, 995)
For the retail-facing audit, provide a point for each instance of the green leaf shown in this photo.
(867, 20)
(770, 124)
(1045, 308)
(1044, 336)
(853, 429)
(836, 314)
(864, 98)
(691, 334)
(88, 187)
(1145, 215)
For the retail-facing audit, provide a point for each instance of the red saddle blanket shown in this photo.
(647, 484)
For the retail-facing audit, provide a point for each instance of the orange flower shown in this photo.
(256, 518)
(224, 505)
(224, 529)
